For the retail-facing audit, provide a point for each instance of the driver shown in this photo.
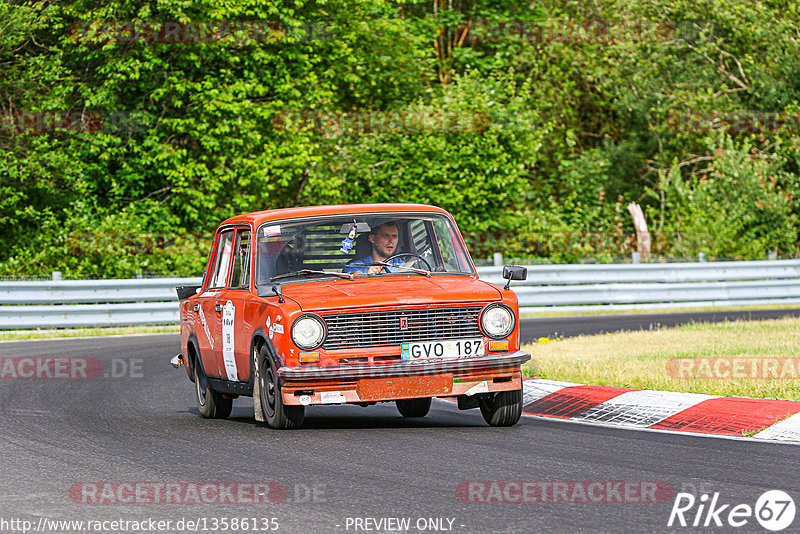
(384, 243)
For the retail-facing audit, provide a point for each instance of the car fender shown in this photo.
(192, 342)
(260, 337)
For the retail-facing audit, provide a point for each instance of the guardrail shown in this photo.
(590, 287)
(66, 303)
(594, 287)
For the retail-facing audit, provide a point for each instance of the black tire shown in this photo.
(414, 407)
(277, 415)
(211, 404)
(503, 408)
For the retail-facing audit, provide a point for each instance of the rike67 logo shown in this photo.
(774, 510)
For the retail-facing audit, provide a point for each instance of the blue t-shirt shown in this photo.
(354, 266)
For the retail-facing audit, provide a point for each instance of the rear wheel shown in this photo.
(503, 408)
(210, 403)
(276, 413)
(414, 407)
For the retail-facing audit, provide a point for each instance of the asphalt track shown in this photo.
(363, 462)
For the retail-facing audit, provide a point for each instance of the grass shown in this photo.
(639, 359)
(86, 332)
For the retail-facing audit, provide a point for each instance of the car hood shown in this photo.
(409, 290)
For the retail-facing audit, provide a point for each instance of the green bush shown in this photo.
(736, 209)
(557, 135)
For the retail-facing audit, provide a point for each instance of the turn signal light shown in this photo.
(498, 345)
(308, 357)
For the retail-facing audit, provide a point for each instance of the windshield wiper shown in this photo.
(310, 271)
(400, 268)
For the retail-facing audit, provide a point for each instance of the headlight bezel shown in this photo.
(512, 324)
(320, 321)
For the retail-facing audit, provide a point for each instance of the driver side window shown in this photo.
(451, 259)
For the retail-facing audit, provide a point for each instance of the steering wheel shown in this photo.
(409, 263)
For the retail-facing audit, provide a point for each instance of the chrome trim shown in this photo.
(498, 305)
(317, 318)
(383, 370)
(361, 330)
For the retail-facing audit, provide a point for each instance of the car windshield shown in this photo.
(383, 244)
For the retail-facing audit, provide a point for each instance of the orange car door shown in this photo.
(234, 332)
(210, 307)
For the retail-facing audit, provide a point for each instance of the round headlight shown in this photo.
(497, 320)
(308, 332)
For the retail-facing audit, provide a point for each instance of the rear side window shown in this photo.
(241, 261)
(222, 260)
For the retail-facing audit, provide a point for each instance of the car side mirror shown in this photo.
(184, 292)
(271, 290)
(514, 272)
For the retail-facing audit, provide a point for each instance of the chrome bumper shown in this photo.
(409, 368)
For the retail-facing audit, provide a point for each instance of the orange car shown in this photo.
(352, 304)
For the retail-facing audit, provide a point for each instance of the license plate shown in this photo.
(454, 348)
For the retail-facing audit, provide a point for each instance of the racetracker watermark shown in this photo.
(144, 243)
(336, 123)
(178, 492)
(564, 492)
(738, 367)
(68, 368)
(259, 32)
(476, 32)
(174, 32)
(734, 122)
(52, 122)
(534, 242)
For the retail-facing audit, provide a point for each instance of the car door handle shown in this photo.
(218, 308)
(197, 307)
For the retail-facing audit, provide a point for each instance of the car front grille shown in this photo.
(381, 328)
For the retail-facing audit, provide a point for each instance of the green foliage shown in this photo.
(142, 238)
(553, 136)
(737, 209)
(472, 157)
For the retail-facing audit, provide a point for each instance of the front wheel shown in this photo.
(212, 405)
(503, 408)
(414, 407)
(277, 415)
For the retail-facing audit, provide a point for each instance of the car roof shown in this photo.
(257, 217)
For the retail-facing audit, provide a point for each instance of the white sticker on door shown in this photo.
(274, 328)
(209, 337)
(228, 320)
